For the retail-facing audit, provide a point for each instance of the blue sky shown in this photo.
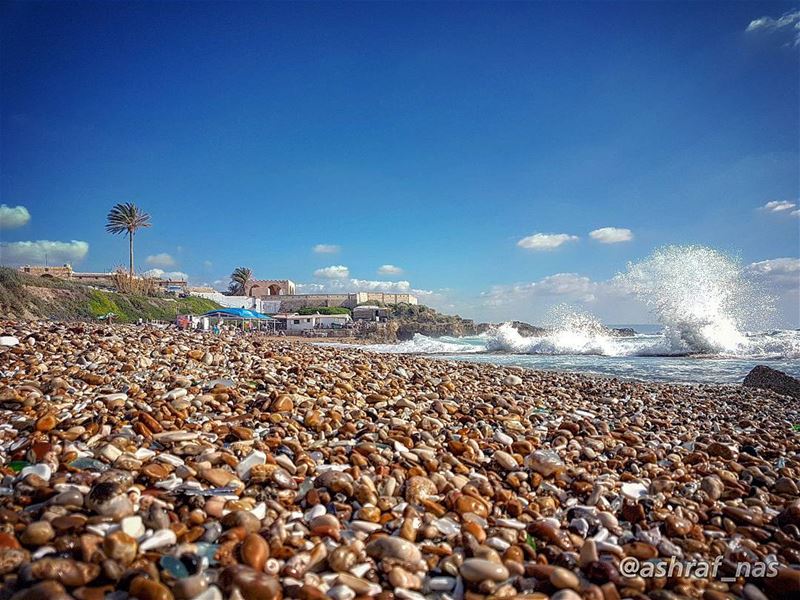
(430, 137)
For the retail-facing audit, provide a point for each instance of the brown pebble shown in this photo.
(254, 551)
(144, 588)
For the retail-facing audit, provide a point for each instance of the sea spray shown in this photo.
(701, 298)
(571, 331)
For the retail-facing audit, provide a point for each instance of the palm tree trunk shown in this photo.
(130, 250)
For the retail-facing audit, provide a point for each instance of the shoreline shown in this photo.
(284, 466)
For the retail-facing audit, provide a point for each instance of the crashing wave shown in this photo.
(700, 297)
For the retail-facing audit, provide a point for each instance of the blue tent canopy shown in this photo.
(236, 313)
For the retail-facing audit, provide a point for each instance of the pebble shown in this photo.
(66, 571)
(562, 578)
(144, 588)
(545, 462)
(159, 539)
(37, 534)
(255, 551)
(121, 547)
(476, 570)
(393, 547)
(152, 463)
(133, 526)
(251, 584)
(505, 460)
(190, 587)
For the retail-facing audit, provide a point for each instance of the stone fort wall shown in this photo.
(296, 302)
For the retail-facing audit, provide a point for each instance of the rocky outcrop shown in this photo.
(407, 329)
(407, 320)
(766, 378)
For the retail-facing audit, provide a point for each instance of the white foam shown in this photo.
(422, 344)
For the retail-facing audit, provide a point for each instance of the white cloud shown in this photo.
(545, 241)
(350, 285)
(788, 22)
(390, 270)
(161, 260)
(207, 264)
(41, 251)
(778, 206)
(780, 277)
(333, 272)
(161, 274)
(12, 217)
(535, 301)
(327, 248)
(795, 213)
(366, 285)
(566, 285)
(611, 235)
(777, 271)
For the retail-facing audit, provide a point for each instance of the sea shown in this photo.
(646, 356)
(710, 324)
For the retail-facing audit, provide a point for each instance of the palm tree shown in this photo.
(127, 218)
(241, 278)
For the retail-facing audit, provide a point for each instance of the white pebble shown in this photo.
(510, 523)
(260, 511)
(441, 584)
(256, 457)
(341, 592)
(41, 469)
(503, 438)
(160, 539)
(133, 526)
(315, 511)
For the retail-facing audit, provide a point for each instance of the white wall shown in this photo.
(228, 301)
(328, 320)
(306, 322)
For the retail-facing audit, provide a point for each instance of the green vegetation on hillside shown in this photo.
(26, 296)
(324, 310)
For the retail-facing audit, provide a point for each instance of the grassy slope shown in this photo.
(25, 296)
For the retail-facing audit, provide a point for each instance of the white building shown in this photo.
(226, 301)
(295, 322)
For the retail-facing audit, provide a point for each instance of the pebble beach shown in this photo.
(156, 464)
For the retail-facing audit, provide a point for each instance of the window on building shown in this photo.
(297, 321)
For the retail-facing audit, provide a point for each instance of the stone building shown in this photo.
(271, 287)
(59, 272)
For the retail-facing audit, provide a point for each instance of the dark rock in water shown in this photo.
(524, 329)
(623, 331)
(765, 378)
(528, 330)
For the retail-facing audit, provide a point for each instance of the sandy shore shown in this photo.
(159, 464)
